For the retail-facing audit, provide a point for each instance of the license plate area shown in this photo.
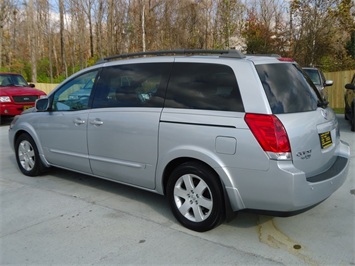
(325, 139)
(25, 107)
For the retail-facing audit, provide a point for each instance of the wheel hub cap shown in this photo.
(193, 198)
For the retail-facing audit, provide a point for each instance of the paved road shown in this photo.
(68, 218)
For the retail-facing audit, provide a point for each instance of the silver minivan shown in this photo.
(214, 131)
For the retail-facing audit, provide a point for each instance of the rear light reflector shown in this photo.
(286, 59)
(271, 135)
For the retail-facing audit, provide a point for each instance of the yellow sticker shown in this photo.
(325, 140)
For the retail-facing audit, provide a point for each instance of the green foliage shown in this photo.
(43, 71)
(257, 36)
(92, 61)
(339, 111)
(329, 63)
(18, 66)
(59, 78)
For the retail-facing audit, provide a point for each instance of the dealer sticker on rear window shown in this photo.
(325, 139)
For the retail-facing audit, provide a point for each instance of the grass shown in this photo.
(338, 110)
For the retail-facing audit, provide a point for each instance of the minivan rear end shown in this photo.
(308, 161)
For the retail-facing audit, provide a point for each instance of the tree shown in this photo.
(62, 41)
(50, 39)
(5, 10)
(229, 21)
(319, 32)
(32, 40)
(265, 30)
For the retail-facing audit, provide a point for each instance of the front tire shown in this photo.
(27, 156)
(195, 196)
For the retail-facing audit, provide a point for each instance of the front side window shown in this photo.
(203, 86)
(287, 89)
(75, 94)
(132, 85)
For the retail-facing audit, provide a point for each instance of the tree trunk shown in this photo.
(33, 49)
(62, 48)
(143, 26)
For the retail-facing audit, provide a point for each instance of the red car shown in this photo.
(16, 95)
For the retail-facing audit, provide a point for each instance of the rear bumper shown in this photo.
(334, 170)
(284, 188)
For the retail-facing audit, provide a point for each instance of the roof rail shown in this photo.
(270, 55)
(223, 53)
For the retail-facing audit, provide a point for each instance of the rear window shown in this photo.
(203, 86)
(287, 89)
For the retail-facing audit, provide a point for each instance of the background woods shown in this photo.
(48, 40)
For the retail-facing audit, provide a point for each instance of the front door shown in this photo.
(63, 129)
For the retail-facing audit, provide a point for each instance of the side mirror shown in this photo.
(31, 85)
(350, 86)
(42, 104)
(328, 83)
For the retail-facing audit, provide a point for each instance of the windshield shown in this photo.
(288, 89)
(313, 74)
(12, 80)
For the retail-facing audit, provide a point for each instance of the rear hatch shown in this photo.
(313, 138)
(312, 128)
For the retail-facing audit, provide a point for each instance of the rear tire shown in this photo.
(195, 196)
(27, 156)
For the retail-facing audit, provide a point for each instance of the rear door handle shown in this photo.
(96, 122)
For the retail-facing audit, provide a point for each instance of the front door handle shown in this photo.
(78, 121)
(96, 122)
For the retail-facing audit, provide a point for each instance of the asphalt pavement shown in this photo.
(70, 219)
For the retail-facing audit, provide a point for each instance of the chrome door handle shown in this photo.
(78, 121)
(96, 122)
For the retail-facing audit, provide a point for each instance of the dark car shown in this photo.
(350, 103)
(318, 78)
(16, 95)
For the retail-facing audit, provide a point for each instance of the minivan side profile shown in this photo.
(214, 131)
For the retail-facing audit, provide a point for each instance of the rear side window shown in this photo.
(132, 85)
(203, 86)
(287, 89)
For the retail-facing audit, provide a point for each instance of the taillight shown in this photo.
(286, 59)
(271, 135)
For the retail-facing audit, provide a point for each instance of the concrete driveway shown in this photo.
(67, 218)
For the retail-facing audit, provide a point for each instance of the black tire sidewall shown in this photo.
(213, 183)
(36, 170)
